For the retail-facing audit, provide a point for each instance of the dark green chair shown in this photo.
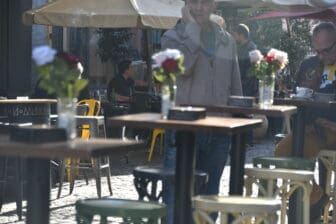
(145, 176)
(130, 211)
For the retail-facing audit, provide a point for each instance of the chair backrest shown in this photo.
(94, 110)
(94, 106)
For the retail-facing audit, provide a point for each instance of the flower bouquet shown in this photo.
(60, 74)
(168, 64)
(265, 68)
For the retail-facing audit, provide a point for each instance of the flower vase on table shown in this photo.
(264, 68)
(66, 111)
(266, 91)
(168, 64)
(60, 75)
(168, 96)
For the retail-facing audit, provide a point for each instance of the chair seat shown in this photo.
(285, 162)
(144, 175)
(297, 175)
(124, 208)
(232, 204)
(242, 209)
(161, 173)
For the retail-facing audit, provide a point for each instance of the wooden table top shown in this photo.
(12, 101)
(209, 124)
(76, 148)
(273, 111)
(306, 103)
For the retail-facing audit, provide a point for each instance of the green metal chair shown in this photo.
(295, 215)
(130, 211)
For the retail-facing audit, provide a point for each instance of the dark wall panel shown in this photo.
(4, 9)
(15, 63)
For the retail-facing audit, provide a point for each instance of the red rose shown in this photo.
(269, 58)
(70, 59)
(170, 65)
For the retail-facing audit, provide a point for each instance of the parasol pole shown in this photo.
(148, 53)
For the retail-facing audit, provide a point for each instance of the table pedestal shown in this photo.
(38, 191)
(184, 176)
(237, 164)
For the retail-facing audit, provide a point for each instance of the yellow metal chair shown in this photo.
(94, 110)
(156, 133)
(72, 165)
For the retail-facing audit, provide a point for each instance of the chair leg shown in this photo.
(161, 143)
(86, 177)
(4, 179)
(108, 175)
(72, 174)
(151, 150)
(62, 174)
(19, 186)
(68, 161)
(97, 176)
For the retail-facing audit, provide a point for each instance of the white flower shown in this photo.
(281, 56)
(80, 68)
(255, 56)
(161, 56)
(43, 55)
(173, 53)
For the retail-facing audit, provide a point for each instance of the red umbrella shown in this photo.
(326, 14)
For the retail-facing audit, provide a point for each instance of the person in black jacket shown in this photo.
(121, 87)
(241, 34)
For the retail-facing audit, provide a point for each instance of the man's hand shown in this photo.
(186, 16)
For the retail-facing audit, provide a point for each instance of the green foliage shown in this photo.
(113, 44)
(263, 71)
(290, 35)
(57, 78)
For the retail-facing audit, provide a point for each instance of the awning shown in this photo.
(326, 14)
(283, 5)
(160, 14)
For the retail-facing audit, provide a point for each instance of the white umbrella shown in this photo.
(160, 14)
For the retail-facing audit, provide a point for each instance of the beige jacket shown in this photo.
(207, 81)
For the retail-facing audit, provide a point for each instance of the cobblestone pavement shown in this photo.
(63, 211)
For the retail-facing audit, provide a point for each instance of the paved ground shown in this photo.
(62, 210)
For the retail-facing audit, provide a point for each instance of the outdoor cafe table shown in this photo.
(272, 111)
(38, 160)
(300, 118)
(185, 157)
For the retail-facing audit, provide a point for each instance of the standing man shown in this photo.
(211, 76)
(241, 33)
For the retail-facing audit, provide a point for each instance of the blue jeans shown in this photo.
(211, 154)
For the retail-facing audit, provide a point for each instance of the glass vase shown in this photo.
(66, 111)
(168, 96)
(266, 92)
